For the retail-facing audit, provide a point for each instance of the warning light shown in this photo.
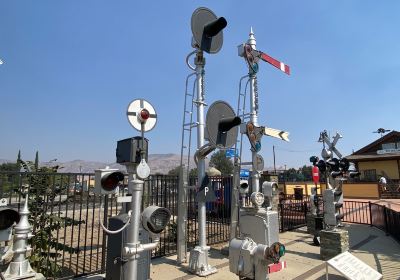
(144, 114)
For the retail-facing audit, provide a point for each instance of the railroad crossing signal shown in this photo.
(331, 145)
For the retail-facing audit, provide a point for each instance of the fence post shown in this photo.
(305, 210)
(386, 220)
(370, 212)
(281, 211)
(105, 222)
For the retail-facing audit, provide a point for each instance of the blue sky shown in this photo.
(72, 67)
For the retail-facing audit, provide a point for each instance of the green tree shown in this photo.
(193, 172)
(221, 162)
(43, 193)
(37, 161)
(174, 171)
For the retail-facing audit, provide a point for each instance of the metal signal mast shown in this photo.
(258, 225)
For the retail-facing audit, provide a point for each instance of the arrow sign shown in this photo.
(280, 134)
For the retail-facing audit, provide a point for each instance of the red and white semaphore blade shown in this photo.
(280, 65)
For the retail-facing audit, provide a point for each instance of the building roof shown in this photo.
(354, 157)
(370, 151)
(376, 144)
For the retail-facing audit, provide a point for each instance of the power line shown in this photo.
(295, 151)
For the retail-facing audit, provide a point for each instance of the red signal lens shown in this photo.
(144, 114)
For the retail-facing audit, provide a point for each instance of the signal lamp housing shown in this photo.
(155, 219)
(107, 181)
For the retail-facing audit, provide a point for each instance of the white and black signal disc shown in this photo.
(135, 109)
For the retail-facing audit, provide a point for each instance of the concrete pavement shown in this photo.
(367, 243)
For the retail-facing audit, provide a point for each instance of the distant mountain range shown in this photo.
(159, 163)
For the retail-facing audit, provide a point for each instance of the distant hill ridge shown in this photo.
(159, 163)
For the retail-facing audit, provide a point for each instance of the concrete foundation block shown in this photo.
(333, 243)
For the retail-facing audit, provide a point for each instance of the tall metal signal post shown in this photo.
(255, 252)
(207, 37)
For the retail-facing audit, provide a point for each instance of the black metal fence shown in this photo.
(74, 213)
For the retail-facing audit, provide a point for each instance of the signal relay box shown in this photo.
(129, 150)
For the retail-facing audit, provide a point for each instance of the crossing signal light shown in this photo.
(244, 186)
(155, 219)
(333, 164)
(321, 165)
(333, 202)
(314, 160)
(144, 115)
(344, 164)
(107, 181)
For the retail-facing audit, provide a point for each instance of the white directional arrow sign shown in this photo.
(280, 134)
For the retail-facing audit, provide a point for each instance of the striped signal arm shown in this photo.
(280, 65)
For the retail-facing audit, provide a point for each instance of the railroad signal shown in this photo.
(253, 56)
(141, 115)
(222, 125)
(314, 160)
(207, 30)
(155, 219)
(107, 181)
(244, 186)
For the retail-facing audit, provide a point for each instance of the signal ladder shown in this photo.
(241, 113)
(188, 124)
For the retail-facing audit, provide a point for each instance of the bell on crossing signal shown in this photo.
(207, 30)
(107, 181)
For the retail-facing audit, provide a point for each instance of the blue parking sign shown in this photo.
(230, 153)
(244, 173)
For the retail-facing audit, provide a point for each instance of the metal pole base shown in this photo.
(21, 270)
(198, 262)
